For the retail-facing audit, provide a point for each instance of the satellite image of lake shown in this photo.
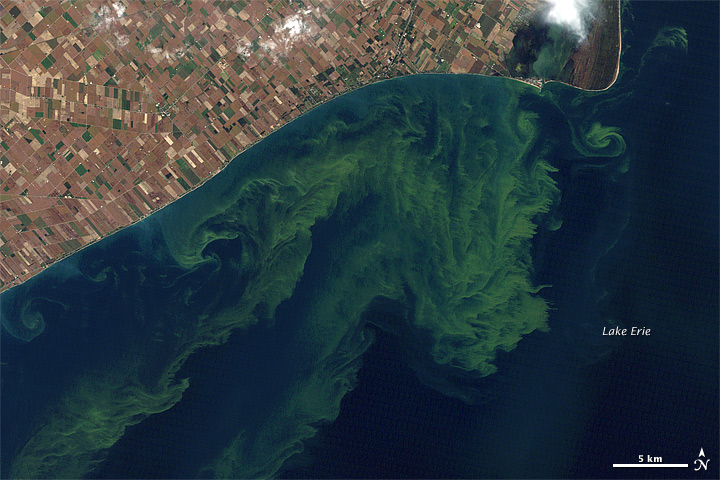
(433, 276)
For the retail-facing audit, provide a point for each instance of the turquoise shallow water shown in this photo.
(424, 216)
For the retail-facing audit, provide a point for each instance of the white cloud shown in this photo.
(119, 9)
(107, 18)
(291, 31)
(243, 50)
(160, 53)
(573, 15)
(122, 39)
(294, 26)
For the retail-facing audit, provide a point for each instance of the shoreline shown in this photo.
(527, 81)
(617, 63)
(33, 274)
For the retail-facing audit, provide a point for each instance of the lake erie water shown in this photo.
(410, 281)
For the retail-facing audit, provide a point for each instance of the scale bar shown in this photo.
(650, 465)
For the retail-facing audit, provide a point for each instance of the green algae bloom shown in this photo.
(432, 190)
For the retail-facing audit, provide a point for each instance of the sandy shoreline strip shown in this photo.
(617, 63)
(9, 286)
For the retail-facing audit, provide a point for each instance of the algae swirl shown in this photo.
(432, 190)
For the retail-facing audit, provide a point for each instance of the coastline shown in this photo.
(538, 84)
(619, 51)
(617, 62)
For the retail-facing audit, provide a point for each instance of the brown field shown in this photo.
(112, 109)
(596, 62)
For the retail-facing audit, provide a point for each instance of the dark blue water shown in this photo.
(661, 396)
(555, 410)
(634, 249)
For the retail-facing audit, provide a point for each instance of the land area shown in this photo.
(110, 110)
(595, 64)
(591, 63)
